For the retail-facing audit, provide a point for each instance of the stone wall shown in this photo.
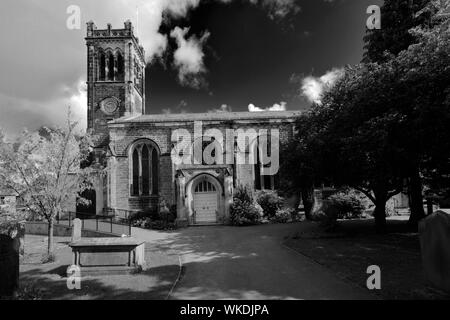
(123, 136)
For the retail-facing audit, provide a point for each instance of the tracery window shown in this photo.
(144, 169)
(111, 67)
(263, 182)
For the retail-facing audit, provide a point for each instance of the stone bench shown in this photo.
(108, 255)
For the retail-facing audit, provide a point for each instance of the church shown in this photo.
(151, 158)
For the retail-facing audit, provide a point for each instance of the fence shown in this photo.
(101, 223)
(127, 215)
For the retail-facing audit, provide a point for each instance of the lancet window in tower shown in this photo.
(111, 66)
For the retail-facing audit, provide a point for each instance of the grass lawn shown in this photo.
(47, 281)
(355, 246)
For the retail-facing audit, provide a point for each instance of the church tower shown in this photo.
(115, 77)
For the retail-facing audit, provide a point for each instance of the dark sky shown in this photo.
(252, 58)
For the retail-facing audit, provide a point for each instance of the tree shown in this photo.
(398, 17)
(45, 171)
(385, 121)
(403, 36)
(357, 122)
(298, 169)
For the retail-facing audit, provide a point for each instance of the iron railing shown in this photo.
(99, 223)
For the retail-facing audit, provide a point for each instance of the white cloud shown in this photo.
(222, 108)
(188, 58)
(179, 108)
(276, 107)
(313, 87)
(20, 113)
(179, 8)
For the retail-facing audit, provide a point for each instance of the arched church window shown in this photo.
(155, 172)
(205, 187)
(257, 170)
(135, 184)
(102, 66)
(263, 182)
(120, 67)
(110, 67)
(144, 169)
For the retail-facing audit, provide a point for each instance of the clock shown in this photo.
(109, 105)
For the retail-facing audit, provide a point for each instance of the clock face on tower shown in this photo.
(109, 105)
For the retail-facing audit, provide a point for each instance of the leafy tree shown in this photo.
(45, 171)
(356, 123)
(383, 122)
(397, 18)
(405, 40)
(299, 166)
(425, 66)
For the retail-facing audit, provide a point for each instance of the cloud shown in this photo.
(188, 58)
(181, 8)
(276, 107)
(179, 108)
(313, 87)
(20, 113)
(222, 108)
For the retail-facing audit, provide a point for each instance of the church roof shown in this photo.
(210, 116)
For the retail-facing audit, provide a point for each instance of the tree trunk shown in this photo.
(380, 211)
(416, 198)
(50, 237)
(309, 201)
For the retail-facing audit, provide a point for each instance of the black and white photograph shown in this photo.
(227, 158)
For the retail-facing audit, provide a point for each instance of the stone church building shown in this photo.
(138, 149)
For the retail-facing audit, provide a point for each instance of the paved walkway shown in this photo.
(247, 263)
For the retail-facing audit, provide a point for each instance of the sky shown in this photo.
(202, 55)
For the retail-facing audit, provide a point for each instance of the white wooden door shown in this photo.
(205, 203)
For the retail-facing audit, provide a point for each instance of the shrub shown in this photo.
(142, 215)
(244, 213)
(164, 220)
(270, 202)
(283, 215)
(160, 225)
(390, 208)
(345, 205)
(29, 292)
(244, 194)
(244, 210)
